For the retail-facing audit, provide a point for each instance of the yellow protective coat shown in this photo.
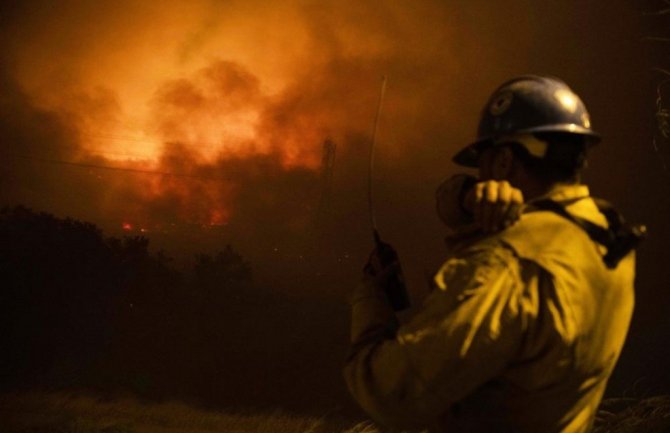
(520, 334)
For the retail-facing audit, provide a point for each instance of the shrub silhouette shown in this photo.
(78, 309)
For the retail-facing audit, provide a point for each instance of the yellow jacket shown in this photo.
(520, 334)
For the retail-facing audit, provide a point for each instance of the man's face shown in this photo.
(486, 163)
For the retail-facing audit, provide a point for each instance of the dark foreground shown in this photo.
(76, 413)
(71, 413)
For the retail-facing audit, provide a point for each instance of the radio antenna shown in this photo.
(373, 219)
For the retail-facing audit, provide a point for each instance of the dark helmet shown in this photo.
(526, 105)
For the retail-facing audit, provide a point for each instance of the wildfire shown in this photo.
(199, 102)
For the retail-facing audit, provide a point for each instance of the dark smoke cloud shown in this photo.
(330, 91)
(30, 137)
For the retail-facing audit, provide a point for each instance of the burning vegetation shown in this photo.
(204, 113)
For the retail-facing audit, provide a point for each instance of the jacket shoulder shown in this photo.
(477, 262)
(546, 234)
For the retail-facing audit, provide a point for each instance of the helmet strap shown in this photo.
(535, 147)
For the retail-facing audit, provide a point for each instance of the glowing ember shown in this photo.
(218, 217)
(127, 226)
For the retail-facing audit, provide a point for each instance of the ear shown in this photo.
(502, 164)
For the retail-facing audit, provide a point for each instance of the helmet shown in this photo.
(526, 105)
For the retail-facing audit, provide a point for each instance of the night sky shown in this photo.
(199, 123)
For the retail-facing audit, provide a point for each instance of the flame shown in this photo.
(118, 75)
(166, 100)
(214, 97)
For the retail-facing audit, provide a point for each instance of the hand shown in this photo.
(494, 204)
(382, 259)
(383, 275)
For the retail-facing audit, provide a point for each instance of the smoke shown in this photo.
(214, 113)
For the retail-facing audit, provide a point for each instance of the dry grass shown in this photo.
(40, 412)
(69, 413)
(651, 415)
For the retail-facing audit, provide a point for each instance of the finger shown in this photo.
(502, 205)
(516, 206)
(488, 204)
(505, 192)
(479, 197)
(517, 196)
(517, 203)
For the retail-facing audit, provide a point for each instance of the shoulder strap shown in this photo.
(619, 238)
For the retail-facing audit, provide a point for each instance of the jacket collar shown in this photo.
(565, 193)
(577, 201)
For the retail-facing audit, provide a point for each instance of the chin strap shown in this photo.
(619, 238)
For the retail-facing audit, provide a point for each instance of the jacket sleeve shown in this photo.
(468, 330)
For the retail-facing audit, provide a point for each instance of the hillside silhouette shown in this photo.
(79, 310)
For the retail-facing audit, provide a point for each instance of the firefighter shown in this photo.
(529, 312)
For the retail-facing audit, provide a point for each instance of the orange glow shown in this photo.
(218, 217)
(113, 78)
(127, 227)
(210, 95)
(203, 78)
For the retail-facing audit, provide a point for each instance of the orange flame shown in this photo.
(188, 89)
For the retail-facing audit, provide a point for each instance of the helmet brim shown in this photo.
(469, 155)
